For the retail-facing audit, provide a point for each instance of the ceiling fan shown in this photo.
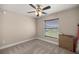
(38, 9)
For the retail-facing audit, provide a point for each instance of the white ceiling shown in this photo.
(24, 8)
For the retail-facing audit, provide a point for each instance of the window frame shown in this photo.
(49, 28)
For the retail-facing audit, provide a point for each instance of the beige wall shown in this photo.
(0, 30)
(67, 23)
(15, 27)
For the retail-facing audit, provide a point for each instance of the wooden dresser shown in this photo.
(67, 42)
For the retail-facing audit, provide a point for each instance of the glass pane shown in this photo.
(51, 32)
(51, 24)
(51, 28)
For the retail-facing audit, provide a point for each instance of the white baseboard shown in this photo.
(49, 41)
(13, 44)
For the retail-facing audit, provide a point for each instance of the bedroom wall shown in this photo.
(0, 30)
(67, 23)
(15, 28)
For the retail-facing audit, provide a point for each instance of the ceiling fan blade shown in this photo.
(44, 13)
(31, 12)
(32, 6)
(48, 7)
(38, 5)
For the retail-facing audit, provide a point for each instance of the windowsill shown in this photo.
(51, 37)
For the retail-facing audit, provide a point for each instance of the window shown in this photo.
(51, 28)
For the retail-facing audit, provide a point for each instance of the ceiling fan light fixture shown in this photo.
(36, 13)
(38, 10)
(40, 13)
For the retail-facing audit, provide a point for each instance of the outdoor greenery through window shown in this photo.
(51, 28)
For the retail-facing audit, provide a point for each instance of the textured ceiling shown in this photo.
(24, 8)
